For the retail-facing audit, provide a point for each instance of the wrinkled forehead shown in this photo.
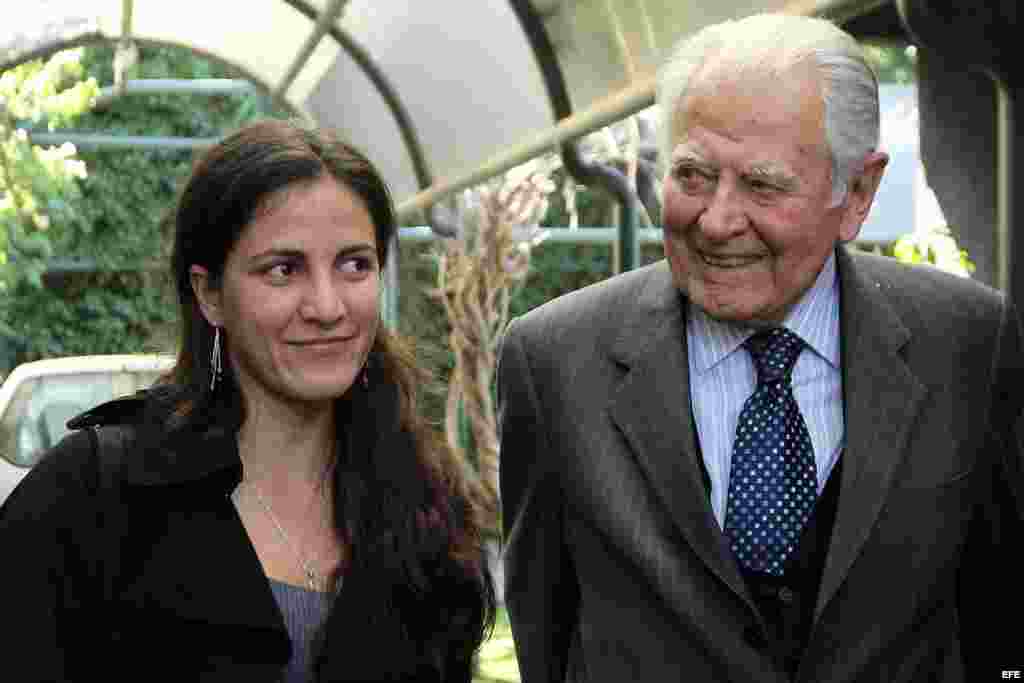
(752, 96)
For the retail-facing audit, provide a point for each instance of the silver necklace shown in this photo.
(313, 577)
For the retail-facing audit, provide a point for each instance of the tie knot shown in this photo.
(774, 353)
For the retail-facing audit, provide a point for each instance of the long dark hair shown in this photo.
(415, 578)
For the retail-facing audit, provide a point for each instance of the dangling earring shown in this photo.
(364, 374)
(215, 367)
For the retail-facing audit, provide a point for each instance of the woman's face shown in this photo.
(298, 299)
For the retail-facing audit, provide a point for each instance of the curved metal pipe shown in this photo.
(603, 176)
(647, 172)
(646, 189)
(406, 128)
(327, 18)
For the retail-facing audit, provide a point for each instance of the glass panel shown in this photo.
(15, 440)
(37, 417)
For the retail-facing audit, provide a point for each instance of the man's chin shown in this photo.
(739, 313)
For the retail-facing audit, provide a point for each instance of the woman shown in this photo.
(276, 509)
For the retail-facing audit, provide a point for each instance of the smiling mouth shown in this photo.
(726, 260)
(330, 341)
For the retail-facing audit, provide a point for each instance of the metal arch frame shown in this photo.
(604, 176)
(383, 86)
(614, 107)
(324, 20)
(325, 24)
(406, 129)
(137, 86)
(358, 54)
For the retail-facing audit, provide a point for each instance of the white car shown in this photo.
(38, 398)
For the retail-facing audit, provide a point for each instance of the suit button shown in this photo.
(786, 595)
(754, 638)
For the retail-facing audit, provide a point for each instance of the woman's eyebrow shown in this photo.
(288, 252)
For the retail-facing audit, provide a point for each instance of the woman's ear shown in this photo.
(207, 294)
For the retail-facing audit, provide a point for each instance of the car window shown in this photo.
(38, 413)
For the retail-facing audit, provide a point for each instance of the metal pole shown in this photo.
(389, 300)
(102, 140)
(323, 25)
(424, 233)
(173, 86)
(602, 176)
(126, 54)
(613, 107)
(629, 100)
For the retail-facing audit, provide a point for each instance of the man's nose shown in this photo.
(324, 300)
(725, 216)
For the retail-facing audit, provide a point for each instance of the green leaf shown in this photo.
(106, 206)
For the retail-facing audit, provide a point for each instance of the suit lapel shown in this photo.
(881, 398)
(651, 407)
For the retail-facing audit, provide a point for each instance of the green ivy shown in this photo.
(105, 206)
(936, 247)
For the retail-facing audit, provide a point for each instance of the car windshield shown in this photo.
(36, 417)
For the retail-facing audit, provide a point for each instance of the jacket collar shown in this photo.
(208, 457)
(651, 407)
(881, 401)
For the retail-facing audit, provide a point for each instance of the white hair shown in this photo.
(763, 45)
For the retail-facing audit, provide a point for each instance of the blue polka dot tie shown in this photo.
(772, 481)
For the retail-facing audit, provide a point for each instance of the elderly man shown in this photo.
(760, 459)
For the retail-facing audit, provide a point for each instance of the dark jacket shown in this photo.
(152, 575)
(616, 568)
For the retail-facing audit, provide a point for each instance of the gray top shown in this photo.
(304, 613)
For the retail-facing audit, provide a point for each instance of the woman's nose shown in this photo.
(324, 301)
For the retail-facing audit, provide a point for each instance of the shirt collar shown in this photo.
(814, 318)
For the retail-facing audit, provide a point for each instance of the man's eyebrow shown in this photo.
(691, 157)
(774, 174)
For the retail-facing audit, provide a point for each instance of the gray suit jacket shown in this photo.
(616, 569)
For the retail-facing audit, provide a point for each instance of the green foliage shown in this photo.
(893, 63)
(170, 114)
(53, 92)
(557, 268)
(936, 247)
(496, 662)
(37, 186)
(593, 206)
(106, 206)
(37, 210)
(106, 313)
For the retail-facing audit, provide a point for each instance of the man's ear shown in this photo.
(861, 193)
(207, 294)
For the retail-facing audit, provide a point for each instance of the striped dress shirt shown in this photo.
(722, 377)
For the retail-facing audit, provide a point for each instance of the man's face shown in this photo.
(748, 222)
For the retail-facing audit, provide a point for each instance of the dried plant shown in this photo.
(478, 272)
